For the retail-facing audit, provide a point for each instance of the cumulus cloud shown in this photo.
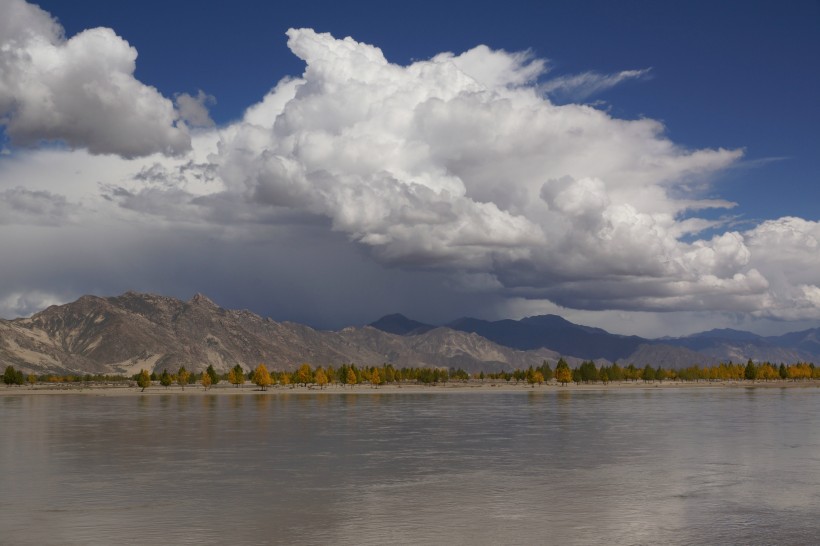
(460, 163)
(80, 90)
(457, 170)
(193, 110)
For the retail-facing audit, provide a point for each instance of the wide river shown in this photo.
(629, 466)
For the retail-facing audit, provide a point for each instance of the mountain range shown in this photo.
(588, 343)
(123, 334)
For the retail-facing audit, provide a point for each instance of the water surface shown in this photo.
(679, 466)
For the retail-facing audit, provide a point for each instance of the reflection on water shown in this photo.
(619, 467)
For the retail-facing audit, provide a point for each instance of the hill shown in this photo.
(123, 334)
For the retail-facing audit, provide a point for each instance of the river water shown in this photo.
(672, 466)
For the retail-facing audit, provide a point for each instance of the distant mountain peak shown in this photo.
(726, 333)
(201, 299)
(401, 325)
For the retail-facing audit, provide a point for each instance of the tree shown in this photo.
(165, 379)
(143, 380)
(588, 371)
(182, 377)
(32, 379)
(562, 372)
(375, 378)
(236, 376)
(750, 372)
(546, 371)
(304, 374)
(563, 375)
(351, 377)
(284, 379)
(212, 374)
(321, 378)
(206, 380)
(12, 376)
(261, 377)
(648, 374)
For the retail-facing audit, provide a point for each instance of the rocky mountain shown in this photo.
(588, 343)
(739, 346)
(555, 333)
(401, 325)
(123, 334)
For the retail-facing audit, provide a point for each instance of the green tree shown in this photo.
(648, 374)
(212, 374)
(546, 371)
(236, 376)
(261, 377)
(588, 371)
(143, 380)
(750, 372)
(182, 377)
(165, 379)
(12, 376)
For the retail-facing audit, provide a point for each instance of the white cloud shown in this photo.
(578, 87)
(432, 166)
(456, 170)
(80, 91)
(17, 304)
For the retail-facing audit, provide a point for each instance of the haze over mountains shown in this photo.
(123, 334)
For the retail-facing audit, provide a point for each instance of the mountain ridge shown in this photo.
(123, 334)
(591, 343)
(133, 331)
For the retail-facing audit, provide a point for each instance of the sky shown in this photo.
(650, 168)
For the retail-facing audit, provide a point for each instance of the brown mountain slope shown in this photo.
(121, 335)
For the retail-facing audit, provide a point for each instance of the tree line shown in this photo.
(351, 375)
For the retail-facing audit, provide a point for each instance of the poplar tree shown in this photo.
(143, 380)
(261, 377)
(182, 377)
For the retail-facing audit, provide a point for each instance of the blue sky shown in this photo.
(739, 77)
(730, 74)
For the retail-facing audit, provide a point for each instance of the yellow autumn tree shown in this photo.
(182, 377)
(143, 380)
(563, 375)
(351, 377)
(236, 376)
(284, 379)
(320, 378)
(375, 378)
(304, 374)
(206, 380)
(261, 377)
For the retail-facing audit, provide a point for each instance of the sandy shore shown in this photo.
(408, 388)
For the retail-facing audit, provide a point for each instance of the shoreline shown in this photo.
(409, 388)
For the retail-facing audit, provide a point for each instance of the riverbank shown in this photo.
(405, 388)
